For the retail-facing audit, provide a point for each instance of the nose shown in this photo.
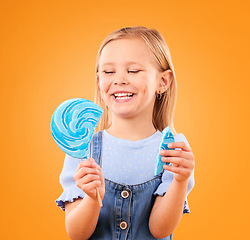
(120, 80)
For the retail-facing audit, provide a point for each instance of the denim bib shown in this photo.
(126, 208)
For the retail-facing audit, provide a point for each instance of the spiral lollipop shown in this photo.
(166, 138)
(72, 126)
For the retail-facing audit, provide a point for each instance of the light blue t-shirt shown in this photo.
(123, 161)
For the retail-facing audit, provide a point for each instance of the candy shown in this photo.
(166, 138)
(73, 124)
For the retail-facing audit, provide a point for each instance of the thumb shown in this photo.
(91, 159)
(101, 173)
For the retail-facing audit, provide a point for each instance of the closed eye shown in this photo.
(134, 71)
(108, 72)
(130, 71)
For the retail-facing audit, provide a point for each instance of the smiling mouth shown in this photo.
(123, 95)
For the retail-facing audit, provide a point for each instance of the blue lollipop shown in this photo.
(72, 126)
(166, 138)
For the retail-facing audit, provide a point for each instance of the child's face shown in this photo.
(128, 77)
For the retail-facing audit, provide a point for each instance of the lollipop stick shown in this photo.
(99, 198)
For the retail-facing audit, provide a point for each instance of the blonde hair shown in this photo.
(163, 111)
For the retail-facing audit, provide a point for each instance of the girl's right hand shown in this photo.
(88, 177)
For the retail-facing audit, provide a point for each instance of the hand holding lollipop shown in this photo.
(72, 126)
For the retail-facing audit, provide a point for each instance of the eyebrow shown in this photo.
(127, 63)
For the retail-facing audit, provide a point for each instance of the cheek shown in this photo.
(104, 87)
(147, 88)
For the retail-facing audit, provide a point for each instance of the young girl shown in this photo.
(136, 87)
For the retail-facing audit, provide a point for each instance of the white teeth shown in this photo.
(123, 97)
(123, 94)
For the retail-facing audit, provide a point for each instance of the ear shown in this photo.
(98, 83)
(166, 79)
(97, 79)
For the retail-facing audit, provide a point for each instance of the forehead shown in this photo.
(127, 50)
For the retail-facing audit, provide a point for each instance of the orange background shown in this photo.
(48, 52)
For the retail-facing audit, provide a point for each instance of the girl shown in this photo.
(136, 87)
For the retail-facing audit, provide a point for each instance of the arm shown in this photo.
(167, 210)
(81, 216)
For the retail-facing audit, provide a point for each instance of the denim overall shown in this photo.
(126, 208)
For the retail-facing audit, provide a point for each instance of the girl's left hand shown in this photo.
(182, 160)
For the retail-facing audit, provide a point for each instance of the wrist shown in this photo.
(182, 183)
(92, 201)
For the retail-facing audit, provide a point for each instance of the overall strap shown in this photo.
(97, 147)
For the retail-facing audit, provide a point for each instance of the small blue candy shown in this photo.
(166, 138)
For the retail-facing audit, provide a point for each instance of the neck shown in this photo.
(131, 128)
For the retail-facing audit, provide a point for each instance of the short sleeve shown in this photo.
(71, 191)
(167, 178)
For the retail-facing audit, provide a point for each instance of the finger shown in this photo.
(175, 165)
(85, 163)
(178, 161)
(177, 153)
(90, 187)
(92, 160)
(97, 166)
(181, 145)
(88, 179)
(178, 170)
(100, 174)
(84, 171)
